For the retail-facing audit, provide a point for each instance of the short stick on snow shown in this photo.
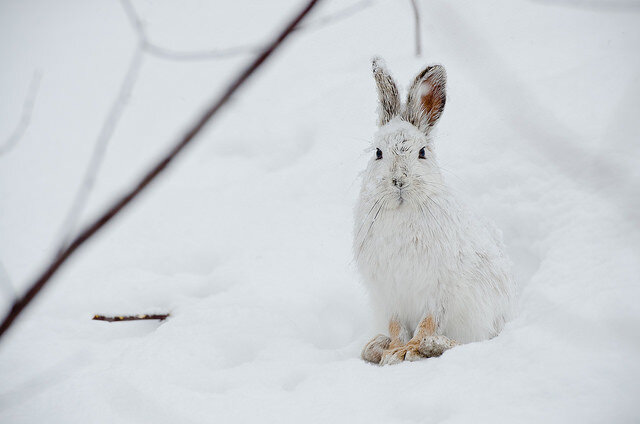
(138, 317)
(114, 209)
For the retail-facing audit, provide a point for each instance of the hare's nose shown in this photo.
(398, 182)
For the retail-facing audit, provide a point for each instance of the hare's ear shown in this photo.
(426, 98)
(387, 93)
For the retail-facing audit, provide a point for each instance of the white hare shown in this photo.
(437, 275)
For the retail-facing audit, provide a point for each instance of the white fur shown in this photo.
(420, 251)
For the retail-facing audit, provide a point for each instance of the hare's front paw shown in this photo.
(408, 352)
(373, 350)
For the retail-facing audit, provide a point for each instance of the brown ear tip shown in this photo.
(377, 64)
(439, 72)
(436, 71)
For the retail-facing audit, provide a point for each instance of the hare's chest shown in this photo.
(403, 254)
(407, 264)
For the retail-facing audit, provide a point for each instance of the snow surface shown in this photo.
(246, 241)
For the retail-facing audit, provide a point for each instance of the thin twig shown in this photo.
(95, 163)
(229, 52)
(416, 17)
(138, 317)
(170, 54)
(115, 208)
(135, 20)
(338, 16)
(177, 55)
(25, 118)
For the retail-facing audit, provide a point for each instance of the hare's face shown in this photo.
(403, 168)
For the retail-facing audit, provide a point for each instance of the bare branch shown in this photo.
(27, 110)
(229, 52)
(108, 127)
(115, 208)
(416, 17)
(171, 54)
(117, 108)
(338, 16)
(138, 317)
(135, 20)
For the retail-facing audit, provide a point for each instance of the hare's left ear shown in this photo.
(389, 99)
(426, 98)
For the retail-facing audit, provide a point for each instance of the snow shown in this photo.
(246, 240)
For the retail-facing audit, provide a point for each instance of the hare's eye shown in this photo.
(421, 154)
(378, 154)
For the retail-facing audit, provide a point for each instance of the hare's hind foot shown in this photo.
(425, 343)
(408, 352)
(372, 351)
(433, 346)
(375, 349)
(428, 347)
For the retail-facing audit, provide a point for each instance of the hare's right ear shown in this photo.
(387, 93)
(427, 97)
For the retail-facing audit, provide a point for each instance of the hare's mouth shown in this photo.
(401, 197)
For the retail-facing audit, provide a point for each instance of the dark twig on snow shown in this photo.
(416, 18)
(27, 109)
(114, 209)
(138, 317)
